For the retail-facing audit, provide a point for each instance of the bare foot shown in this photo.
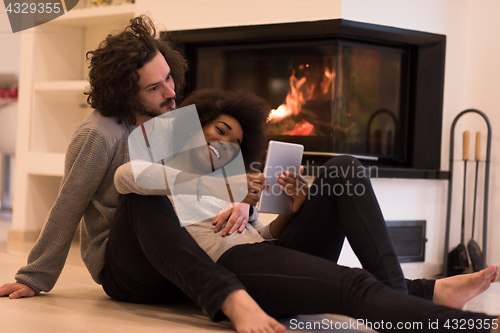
(247, 316)
(457, 290)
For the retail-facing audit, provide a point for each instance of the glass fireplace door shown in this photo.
(332, 96)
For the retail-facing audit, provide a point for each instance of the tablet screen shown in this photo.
(281, 156)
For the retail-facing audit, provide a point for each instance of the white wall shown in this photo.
(195, 14)
(482, 89)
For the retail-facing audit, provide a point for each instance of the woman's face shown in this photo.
(224, 136)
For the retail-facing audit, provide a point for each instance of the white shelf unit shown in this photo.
(53, 79)
(58, 106)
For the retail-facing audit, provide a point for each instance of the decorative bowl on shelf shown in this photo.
(101, 3)
(8, 88)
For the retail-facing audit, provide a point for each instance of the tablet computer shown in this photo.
(281, 156)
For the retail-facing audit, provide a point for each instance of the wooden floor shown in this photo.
(77, 304)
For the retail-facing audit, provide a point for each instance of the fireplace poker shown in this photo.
(458, 261)
(475, 254)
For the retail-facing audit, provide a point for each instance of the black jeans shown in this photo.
(286, 282)
(299, 274)
(151, 258)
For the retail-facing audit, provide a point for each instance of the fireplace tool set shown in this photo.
(457, 261)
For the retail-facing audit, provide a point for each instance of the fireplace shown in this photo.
(335, 86)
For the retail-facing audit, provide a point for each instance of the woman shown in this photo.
(297, 273)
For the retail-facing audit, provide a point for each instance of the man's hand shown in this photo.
(238, 216)
(16, 290)
(295, 186)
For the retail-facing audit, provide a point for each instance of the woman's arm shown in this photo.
(279, 224)
(295, 186)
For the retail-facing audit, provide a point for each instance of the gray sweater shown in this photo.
(87, 196)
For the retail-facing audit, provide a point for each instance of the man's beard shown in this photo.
(151, 112)
(157, 112)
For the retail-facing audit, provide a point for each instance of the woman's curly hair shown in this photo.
(113, 69)
(250, 110)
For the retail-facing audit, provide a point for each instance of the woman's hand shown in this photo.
(16, 290)
(295, 186)
(256, 184)
(238, 215)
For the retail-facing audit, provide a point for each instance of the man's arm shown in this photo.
(16, 290)
(233, 218)
(87, 161)
(150, 178)
(146, 178)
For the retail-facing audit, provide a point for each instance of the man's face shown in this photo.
(156, 84)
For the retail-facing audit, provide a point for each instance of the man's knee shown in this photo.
(136, 200)
(145, 205)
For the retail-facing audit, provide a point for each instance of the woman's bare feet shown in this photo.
(247, 316)
(457, 290)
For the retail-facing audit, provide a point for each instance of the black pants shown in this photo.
(286, 282)
(150, 258)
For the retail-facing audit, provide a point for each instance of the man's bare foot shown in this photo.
(247, 316)
(457, 290)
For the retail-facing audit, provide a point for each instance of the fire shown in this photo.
(313, 85)
(293, 103)
(281, 112)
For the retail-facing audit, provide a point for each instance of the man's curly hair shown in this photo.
(113, 69)
(250, 110)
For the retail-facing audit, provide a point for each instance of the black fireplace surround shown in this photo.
(349, 87)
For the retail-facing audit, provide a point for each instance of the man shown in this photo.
(123, 95)
(133, 77)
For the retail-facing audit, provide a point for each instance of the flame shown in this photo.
(293, 102)
(327, 80)
(280, 113)
(311, 86)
